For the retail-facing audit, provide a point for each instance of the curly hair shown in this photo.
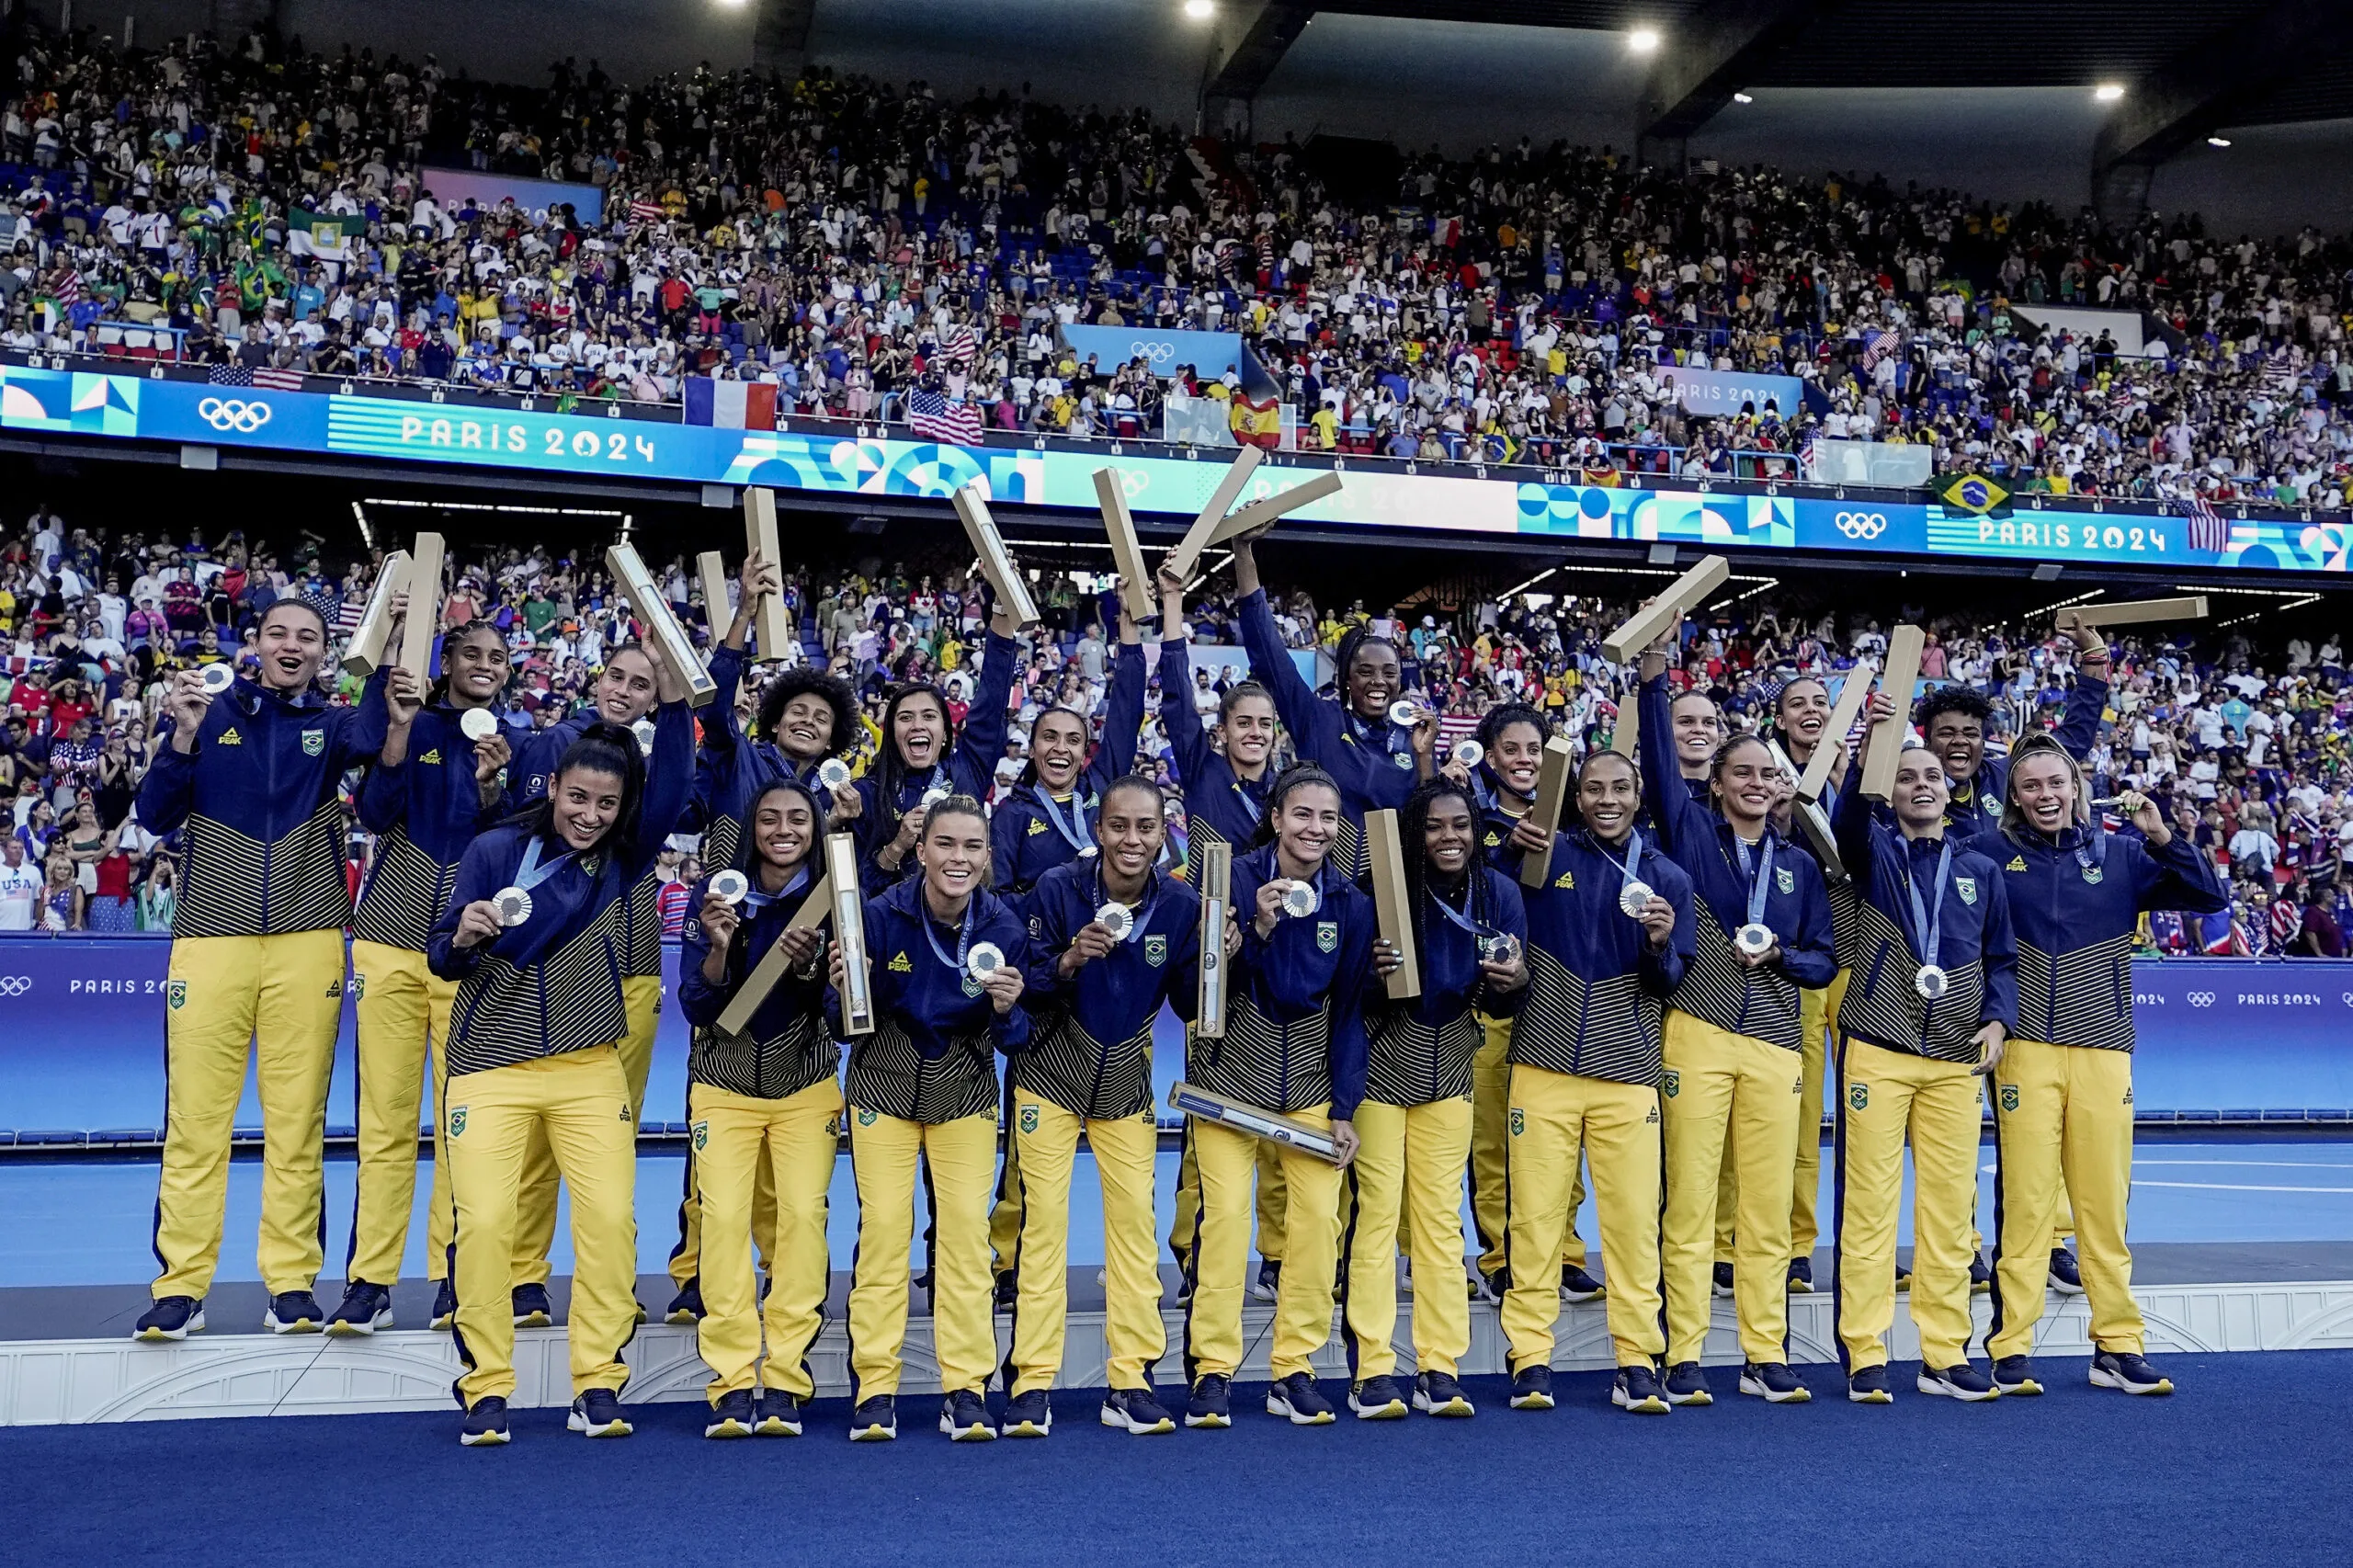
(799, 681)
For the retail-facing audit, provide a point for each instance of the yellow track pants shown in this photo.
(1410, 1166)
(535, 1209)
(1718, 1083)
(736, 1140)
(1552, 1118)
(1883, 1096)
(1126, 1151)
(2062, 1112)
(1227, 1160)
(960, 1157)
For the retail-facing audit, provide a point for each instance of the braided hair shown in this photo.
(1351, 642)
(451, 641)
(1412, 831)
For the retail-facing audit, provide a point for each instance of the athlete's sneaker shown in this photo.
(1903, 1278)
(485, 1425)
(1687, 1384)
(597, 1414)
(875, 1420)
(1029, 1415)
(1960, 1381)
(2014, 1375)
(294, 1312)
(1802, 1275)
(1213, 1400)
(1531, 1389)
(1981, 1275)
(445, 1306)
(732, 1417)
(1008, 1291)
(1297, 1400)
(1437, 1393)
(1721, 1281)
(778, 1415)
(2065, 1278)
(1867, 1385)
(1377, 1399)
(1636, 1391)
(365, 1309)
(1136, 1412)
(2128, 1371)
(1404, 1276)
(686, 1308)
(1268, 1285)
(1577, 1285)
(532, 1307)
(173, 1317)
(1773, 1382)
(1492, 1286)
(964, 1417)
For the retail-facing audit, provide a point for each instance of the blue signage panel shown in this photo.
(1211, 354)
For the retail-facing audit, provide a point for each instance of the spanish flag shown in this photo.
(1973, 492)
(1258, 422)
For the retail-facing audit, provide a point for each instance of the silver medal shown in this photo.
(1499, 947)
(1404, 712)
(217, 678)
(1633, 898)
(514, 905)
(1931, 983)
(1755, 938)
(478, 724)
(1469, 752)
(643, 729)
(1299, 900)
(1116, 918)
(933, 796)
(731, 886)
(832, 773)
(985, 959)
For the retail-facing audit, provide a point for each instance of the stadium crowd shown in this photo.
(2248, 746)
(857, 245)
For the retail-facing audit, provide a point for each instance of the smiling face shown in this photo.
(783, 827)
(1133, 826)
(1058, 746)
(1921, 793)
(805, 729)
(585, 803)
(292, 645)
(1609, 794)
(1516, 757)
(1250, 731)
(1698, 731)
(1374, 678)
(2043, 786)
(919, 730)
(1448, 835)
(1803, 710)
(626, 692)
(476, 666)
(1958, 741)
(1308, 824)
(1747, 784)
(954, 853)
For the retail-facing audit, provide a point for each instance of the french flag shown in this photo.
(731, 405)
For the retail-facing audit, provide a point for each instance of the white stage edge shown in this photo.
(48, 1383)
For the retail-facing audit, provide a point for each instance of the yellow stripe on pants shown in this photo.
(1311, 1230)
(1718, 1082)
(1409, 1165)
(885, 1152)
(736, 1140)
(403, 1010)
(1883, 1095)
(1490, 1164)
(2063, 1111)
(280, 998)
(578, 1103)
(535, 1210)
(1552, 1117)
(1817, 1015)
(1126, 1151)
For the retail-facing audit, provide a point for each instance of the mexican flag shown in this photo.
(325, 234)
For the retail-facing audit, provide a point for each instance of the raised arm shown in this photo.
(982, 742)
(359, 738)
(1685, 827)
(669, 781)
(1123, 714)
(1313, 724)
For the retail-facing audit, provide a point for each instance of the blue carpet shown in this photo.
(2245, 1465)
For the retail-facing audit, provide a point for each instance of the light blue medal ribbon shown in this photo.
(531, 873)
(1760, 882)
(1076, 830)
(2091, 851)
(1629, 876)
(963, 937)
(755, 899)
(1927, 920)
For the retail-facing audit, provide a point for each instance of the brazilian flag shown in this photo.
(1975, 494)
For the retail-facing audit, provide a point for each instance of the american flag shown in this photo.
(230, 376)
(278, 381)
(1808, 449)
(2207, 529)
(1878, 345)
(959, 347)
(642, 212)
(933, 414)
(68, 287)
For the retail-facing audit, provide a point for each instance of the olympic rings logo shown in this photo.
(234, 413)
(15, 984)
(2201, 999)
(1861, 525)
(1154, 352)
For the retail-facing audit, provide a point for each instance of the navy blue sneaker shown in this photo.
(1903, 1278)
(1437, 1393)
(686, 1308)
(1136, 1412)
(1637, 1392)
(1494, 1287)
(365, 1309)
(1867, 1385)
(445, 1306)
(1008, 1292)
(2128, 1372)
(876, 1420)
(1268, 1285)
(1981, 1275)
(1376, 1399)
(532, 1307)
(1802, 1275)
(1029, 1415)
(1960, 1381)
(2065, 1278)
(732, 1417)
(485, 1425)
(1578, 1286)
(1212, 1402)
(1773, 1382)
(2014, 1375)
(294, 1312)
(1531, 1389)
(597, 1414)
(173, 1317)
(778, 1415)
(964, 1418)
(1687, 1384)
(1721, 1281)
(1295, 1399)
